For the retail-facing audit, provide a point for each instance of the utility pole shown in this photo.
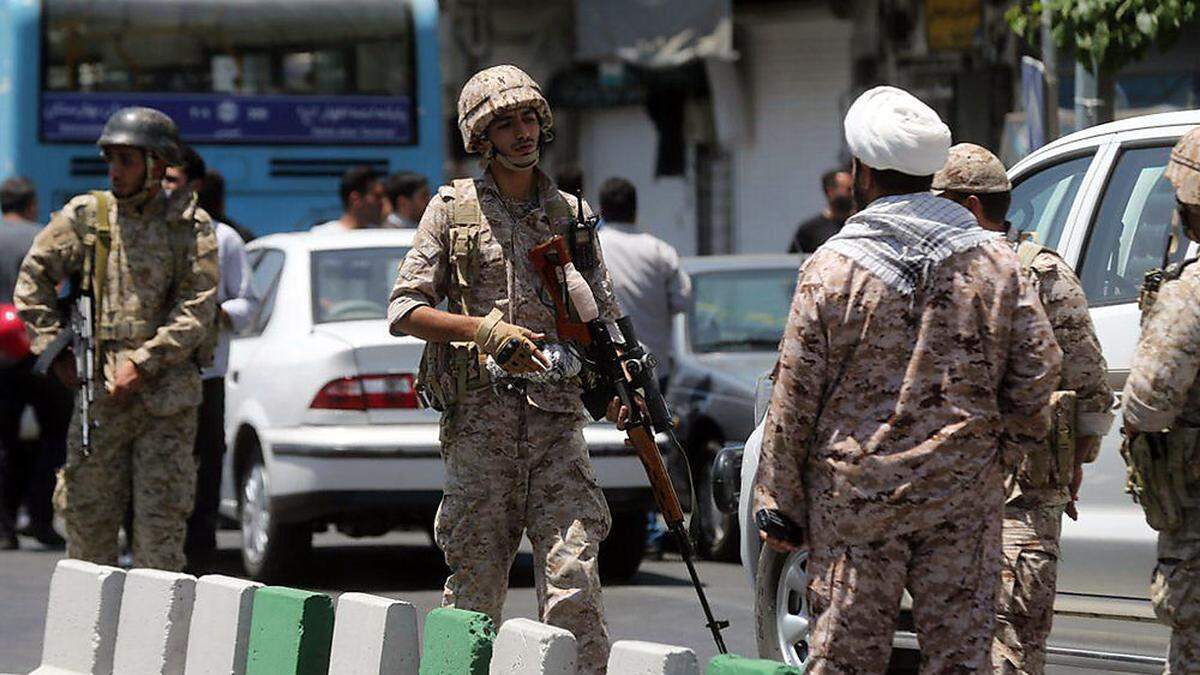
(1093, 96)
(1050, 69)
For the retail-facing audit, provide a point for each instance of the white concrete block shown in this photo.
(219, 633)
(156, 612)
(81, 619)
(374, 636)
(526, 647)
(633, 657)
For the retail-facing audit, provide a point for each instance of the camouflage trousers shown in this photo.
(854, 591)
(1175, 592)
(137, 456)
(1025, 601)
(511, 468)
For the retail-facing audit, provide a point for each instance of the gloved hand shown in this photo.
(494, 335)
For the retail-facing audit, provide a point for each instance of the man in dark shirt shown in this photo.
(839, 195)
(24, 471)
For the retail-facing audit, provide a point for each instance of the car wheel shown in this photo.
(718, 531)
(781, 605)
(269, 548)
(622, 551)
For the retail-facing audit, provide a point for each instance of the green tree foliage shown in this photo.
(1104, 35)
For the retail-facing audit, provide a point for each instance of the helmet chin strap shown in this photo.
(513, 162)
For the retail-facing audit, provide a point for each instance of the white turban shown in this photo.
(889, 128)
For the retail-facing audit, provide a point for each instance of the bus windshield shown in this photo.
(267, 71)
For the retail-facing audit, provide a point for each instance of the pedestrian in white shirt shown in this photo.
(364, 202)
(408, 193)
(237, 308)
(649, 283)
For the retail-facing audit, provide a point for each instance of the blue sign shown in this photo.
(227, 118)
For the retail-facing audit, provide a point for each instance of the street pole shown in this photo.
(1050, 68)
(1093, 97)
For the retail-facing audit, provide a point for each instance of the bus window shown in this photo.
(230, 71)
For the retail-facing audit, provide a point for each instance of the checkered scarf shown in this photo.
(903, 238)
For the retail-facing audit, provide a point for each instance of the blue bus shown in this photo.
(280, 96)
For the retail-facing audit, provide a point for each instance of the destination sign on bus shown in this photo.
(69, 116)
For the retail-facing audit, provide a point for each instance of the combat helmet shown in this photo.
(1184, 168)
(144, 128)
(971, 170)
(493, 91)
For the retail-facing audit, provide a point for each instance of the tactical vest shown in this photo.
(450, 370)
(98, 243)
(1053, 465)
(1162, 468)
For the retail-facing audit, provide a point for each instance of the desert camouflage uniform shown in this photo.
(157, 306)
(1163, 392)
(1033, 515)
(515, 460)
(884, 438)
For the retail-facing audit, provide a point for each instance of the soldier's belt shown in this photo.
(127, 330)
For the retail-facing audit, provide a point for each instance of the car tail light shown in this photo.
(368, 392)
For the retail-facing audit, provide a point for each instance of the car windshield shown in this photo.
(353, 284)
(740, 310)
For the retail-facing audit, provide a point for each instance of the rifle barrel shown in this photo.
(714, 626)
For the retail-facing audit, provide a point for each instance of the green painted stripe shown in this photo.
(290, 632)
(457, 642)
(731, 664)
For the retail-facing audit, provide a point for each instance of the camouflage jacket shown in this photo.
(891, 411)
(1162, 391)
(505, 240)
(159, 302)
(1084, 370)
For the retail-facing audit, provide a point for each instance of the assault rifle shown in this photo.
(78, 336)
(618, 366)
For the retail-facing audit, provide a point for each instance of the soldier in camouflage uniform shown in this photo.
(514, 451)
(916, 353)
(1046, 481)
(1163, 394)
(153, 313)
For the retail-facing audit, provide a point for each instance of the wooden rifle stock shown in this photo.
(548, 261)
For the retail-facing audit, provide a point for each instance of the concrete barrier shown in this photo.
(374, 636)
(290, 632)
(156, 612)
(219, 637)
(634, 657)
(457, 642)
(81, 619)
(730, 664)
(526, 647)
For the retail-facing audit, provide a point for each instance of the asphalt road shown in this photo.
(657, 605)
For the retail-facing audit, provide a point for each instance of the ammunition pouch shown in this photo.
(1052, 466)
(448, 372)
(1162, 470)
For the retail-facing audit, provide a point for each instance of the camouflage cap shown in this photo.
(493, 91)
(972, 169)
(1184, 168)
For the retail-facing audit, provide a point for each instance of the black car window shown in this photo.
(1129, 233)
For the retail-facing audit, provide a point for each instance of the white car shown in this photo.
(1099, 198)
(323, 424)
